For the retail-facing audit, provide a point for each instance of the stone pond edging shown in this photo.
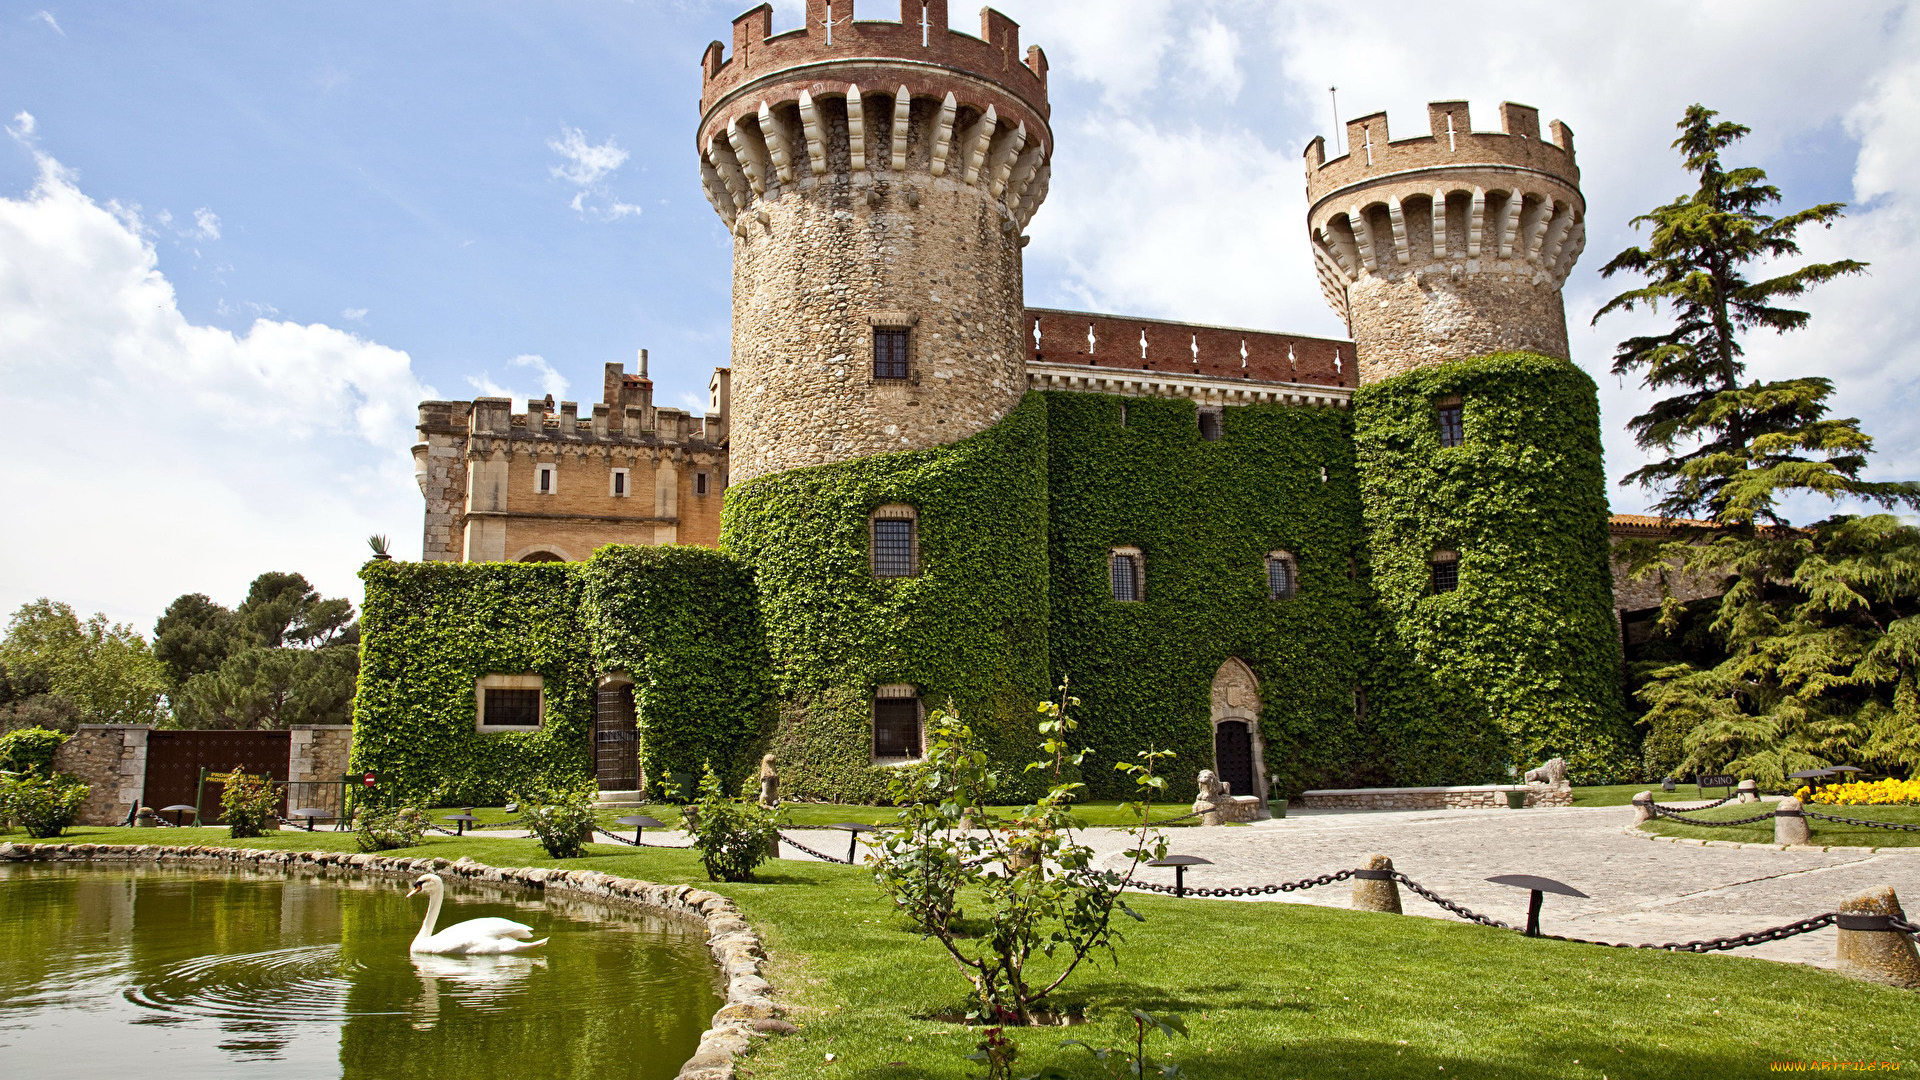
(737, 950)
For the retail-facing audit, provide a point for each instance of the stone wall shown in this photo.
(112, 759)
(318, 752)
(1468, 797)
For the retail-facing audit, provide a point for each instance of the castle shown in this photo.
(1294, 560)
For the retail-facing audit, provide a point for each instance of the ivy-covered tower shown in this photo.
(1478, 441)
(877, 177)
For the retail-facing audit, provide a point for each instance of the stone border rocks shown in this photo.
(737, 949)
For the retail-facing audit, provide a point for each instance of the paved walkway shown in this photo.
(1641, 890)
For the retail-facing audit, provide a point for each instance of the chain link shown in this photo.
(1461, 910)
(821, 855)
(1247, 890)
(1661, 811)
(1859, 821)
(1905, 927)
(1737, 941)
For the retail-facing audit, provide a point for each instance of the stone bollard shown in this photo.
(1790, 823)
(1869, 950)
(1749, 791)
(1376, 893)
(1643, 807)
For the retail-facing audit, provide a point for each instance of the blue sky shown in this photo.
(238, 241)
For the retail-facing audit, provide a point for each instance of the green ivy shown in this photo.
(682, 622)
(970, 629)
(1522, 662)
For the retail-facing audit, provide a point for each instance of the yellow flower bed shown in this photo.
(1865, 793)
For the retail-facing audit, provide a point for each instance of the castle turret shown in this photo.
(877, 177)
(1450, 244)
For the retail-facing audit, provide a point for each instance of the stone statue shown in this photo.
(1217, 804)
(769, 782)
(1553, 772)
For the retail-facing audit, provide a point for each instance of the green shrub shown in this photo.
(247, 802)
(28, 749)
(384, 828)
(46, 805)
(561, 818)
(732, 835)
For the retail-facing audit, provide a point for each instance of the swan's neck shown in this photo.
(433, 916)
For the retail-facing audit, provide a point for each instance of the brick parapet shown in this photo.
(1186, 349)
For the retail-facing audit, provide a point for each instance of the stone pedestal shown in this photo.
(1749, 791)
(1643, 808)
(1883, 955)
(1377, 894)
(1790, 823)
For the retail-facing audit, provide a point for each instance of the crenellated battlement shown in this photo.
(883, 101)
(1450, 143)
(627, 417)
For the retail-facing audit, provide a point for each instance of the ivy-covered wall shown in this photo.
(970, 629)
(1205, 516)
(682, 622)
(1522, 661)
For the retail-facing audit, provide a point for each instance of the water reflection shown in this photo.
(214, 973)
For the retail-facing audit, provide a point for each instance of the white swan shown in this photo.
(475, 937)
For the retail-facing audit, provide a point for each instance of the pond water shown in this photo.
(195, 973)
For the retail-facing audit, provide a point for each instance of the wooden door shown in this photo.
(175, 758)
(1233, 756)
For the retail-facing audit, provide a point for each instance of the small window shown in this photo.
(890, 352)
(509, 702)
(895, 542)
(1359, 703)
(1283, 576)
(896, 723)
(1125, 574)
(1453, 429)
(617, 484)
(700, 483)
(1123, 414)
(544, 479)
(1445, 568)
(1210, 426)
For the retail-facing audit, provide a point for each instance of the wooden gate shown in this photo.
(175, 758)
(1233, 756)
(616, 742)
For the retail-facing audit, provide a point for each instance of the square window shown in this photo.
(1210, 425)
(890, 352)
(1283, 577)
(896, 725)
(1445, 568)
(893, 547)
(1453, 429)
(544, 479)
(618, 484)
(1124, 575)
(699, 483)
(509, 702)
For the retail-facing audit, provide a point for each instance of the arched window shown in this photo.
(541, 556)
(1452, 420)
(1444, 569)
(1283, 576)
(1211, 423)
(894, 550)
(897, 723)
(1126, 574)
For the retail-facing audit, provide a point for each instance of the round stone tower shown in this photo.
(877, 178)
(1450, 244)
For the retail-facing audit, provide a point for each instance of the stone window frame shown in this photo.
(549, 473)
(1291, 577)
(1443, 571)
(1450, 417)
(702, 484)
(894, 512)
(897, 692)
(1217, 429)
(485, 683)
(619, 483)
(893, 321)
(1136, 561)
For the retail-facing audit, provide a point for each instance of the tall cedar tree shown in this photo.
(1818, 647)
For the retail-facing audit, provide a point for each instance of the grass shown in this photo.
(1622, 794)
(815, 815)
(1825, 833)
(1281, 991)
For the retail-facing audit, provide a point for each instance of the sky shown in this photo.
(239, 242)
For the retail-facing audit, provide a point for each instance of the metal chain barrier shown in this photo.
(1461, 910)
(1675, 815)
(1708, 806)
(618, 839)
(1860, 821)
(1248, 890)
(1737, 941)
(1904, 926)
(821, 855)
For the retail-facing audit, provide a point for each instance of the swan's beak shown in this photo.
(413, 892)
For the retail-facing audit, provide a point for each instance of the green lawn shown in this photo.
(816, 815)
(1268, 990)
(1622, 794)
(1825, 833)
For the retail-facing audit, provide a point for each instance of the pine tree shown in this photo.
(1818, 627)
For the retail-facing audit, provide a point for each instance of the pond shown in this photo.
(159, 972)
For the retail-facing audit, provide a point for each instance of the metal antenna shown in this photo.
(1339, 143)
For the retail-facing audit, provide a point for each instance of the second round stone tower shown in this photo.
(877, 178)
(1450, 244)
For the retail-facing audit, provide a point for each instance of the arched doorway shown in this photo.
(1239, 753)
(616, 742)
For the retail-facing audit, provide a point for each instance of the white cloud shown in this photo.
(587, 165)
(47, 17)
(549, 380)
(153, 456)
(354, 314)
(23, 124)
(206, 225)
